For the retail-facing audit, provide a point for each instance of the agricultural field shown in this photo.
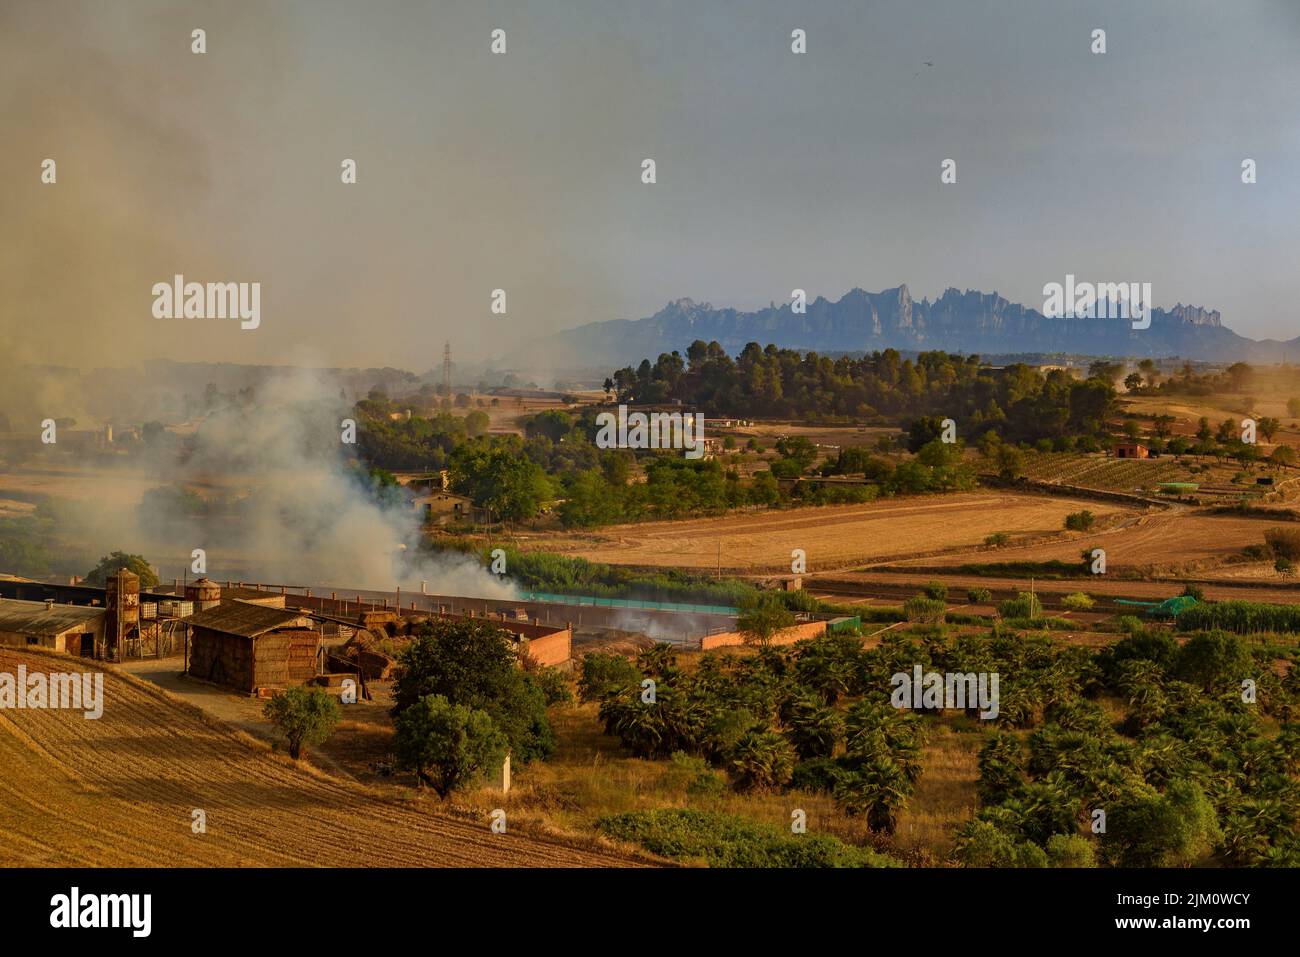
(1188, 410)
(833, 536)
(119, 791)
(1104, 472)
(1166, 542)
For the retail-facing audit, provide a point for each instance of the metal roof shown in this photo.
(244, 619)
(39, 618)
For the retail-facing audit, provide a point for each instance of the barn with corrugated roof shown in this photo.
(73, 629)
(250, 647)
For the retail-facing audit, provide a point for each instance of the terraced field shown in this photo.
(119, 791)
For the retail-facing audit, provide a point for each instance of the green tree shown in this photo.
(603, 674)
(498, 476)
(110, 564)
(446, 745)
(473, 663)
(477, 423)
(763, 618)
(1009, 462)
(304, 716)
(1176, 829)
(1214, 661)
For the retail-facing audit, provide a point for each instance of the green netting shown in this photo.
(1169, 608)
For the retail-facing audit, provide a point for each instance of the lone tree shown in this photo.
(304, 716)
(763, 619)
(445, 744)
(473, 663)
(110, 564)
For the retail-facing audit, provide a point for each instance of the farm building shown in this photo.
(250, 647)
(72, 629)
(1132, 450)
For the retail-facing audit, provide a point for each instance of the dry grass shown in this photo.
(836, 536)
(592, 776)
(119, 791)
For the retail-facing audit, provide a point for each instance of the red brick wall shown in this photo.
(809, 629)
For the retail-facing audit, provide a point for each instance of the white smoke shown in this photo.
(268, 489)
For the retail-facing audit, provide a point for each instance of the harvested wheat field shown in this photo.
(1169, 542)
(833, 536)
(119, 791)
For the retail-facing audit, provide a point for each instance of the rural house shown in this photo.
(1132, 450)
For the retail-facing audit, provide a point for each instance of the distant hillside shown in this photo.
(970, 321)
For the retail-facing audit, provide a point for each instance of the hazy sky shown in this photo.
(522, 171)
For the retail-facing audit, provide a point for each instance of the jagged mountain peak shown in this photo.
(962, 321)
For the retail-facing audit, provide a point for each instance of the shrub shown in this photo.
(761, 761)
(1070, 850)
(305, 716)
(982, 844)
(1023, 605)
(1283, 542)
(1001, 768)
(554, 685)
(814, 729)
(694, 775)
(728, 840)
(1080, 521)
(1176, 829)
(1077, 601)
(935, 590)
(816, 775)
(603, 674)
(920, 608)
(978, 596)
(997, 539)
(1129, 624)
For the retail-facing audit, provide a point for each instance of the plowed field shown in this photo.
(119, 791)
(1159, 541)
(834, 536)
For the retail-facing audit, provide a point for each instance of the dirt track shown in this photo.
(119, 791)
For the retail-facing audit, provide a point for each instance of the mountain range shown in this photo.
(964, 322)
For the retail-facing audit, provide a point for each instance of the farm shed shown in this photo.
(249, 647)
(1132, 450)
(72, 629)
